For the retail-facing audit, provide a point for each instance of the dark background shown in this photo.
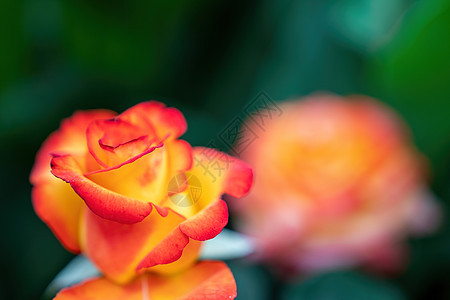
(209, 59)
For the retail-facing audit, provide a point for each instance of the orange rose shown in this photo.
(206, 280)
(337, 183)
(110, 186)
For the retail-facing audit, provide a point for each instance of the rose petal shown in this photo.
(144, 178)
(59, 207)
(167, 121)
(53, 200)
(117, 248)
(174, 253)
(205, 280)
(220, 283)
(180, 156)
(207, 223)
(114, 141)
(69, 138)
(220, 173)
(167, 251)
(103, 202)
(203, 226)
(213, 173)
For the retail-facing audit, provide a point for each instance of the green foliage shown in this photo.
(210, 60)
(342, 286)
(412, 73)
(13, 50)
(253, 282)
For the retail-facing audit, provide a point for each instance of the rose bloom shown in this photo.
(206, 280)
(337, 183)
(127, 193)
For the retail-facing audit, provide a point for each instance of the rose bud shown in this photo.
(337, 183)
(128, 193)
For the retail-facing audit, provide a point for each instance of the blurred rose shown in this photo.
(123, 190)
(206, 280)
(337, 182)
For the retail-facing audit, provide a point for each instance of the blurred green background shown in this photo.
(209, 59)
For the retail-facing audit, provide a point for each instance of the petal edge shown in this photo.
(103, 202)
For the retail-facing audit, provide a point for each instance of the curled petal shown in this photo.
(143, 178)
(205, 280)
(175, 252)
(167, 121)
(203, 226)
(117, 248)
(70, 138)
(167, 251)
(114, 141)
(103, 202)
(207, 223)
(188, 257)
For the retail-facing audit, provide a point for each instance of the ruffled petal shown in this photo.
(105, 203)
(205, 280)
